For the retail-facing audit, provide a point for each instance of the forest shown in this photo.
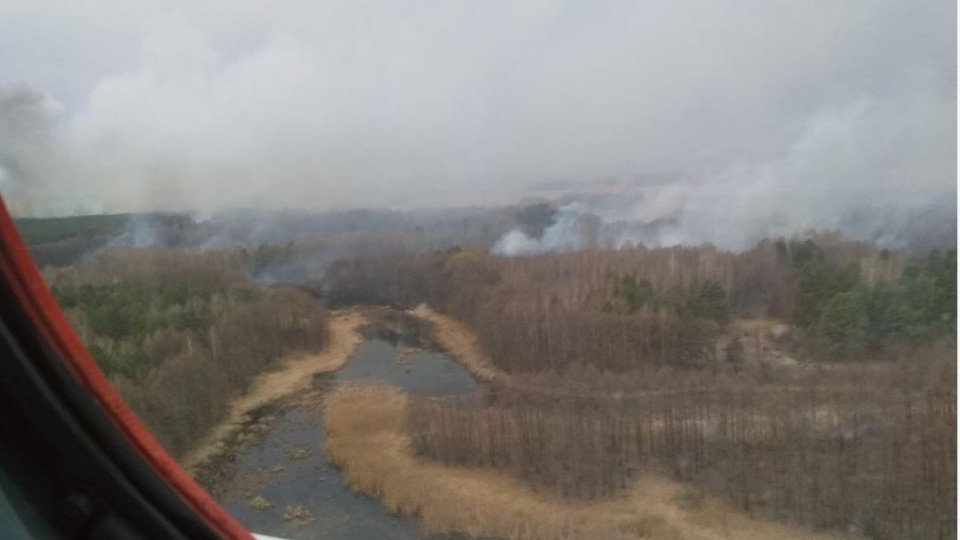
(179, 333)
(617, 309)
(470, 270)
(808, 379)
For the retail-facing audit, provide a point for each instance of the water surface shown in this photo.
(285, 465)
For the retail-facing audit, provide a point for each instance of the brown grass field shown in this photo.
(366, 439)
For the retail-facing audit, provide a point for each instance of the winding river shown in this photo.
(277, 481)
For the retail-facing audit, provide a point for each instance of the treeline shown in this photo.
(180, 333)
(621, 309)
(37, 231)
(64, 241)
(847, 316)
(525, 321)
(616, 367)
(868, 452)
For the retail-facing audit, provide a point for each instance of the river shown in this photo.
(276, 481)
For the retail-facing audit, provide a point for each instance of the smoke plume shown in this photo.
(778, 118)
(872, 171)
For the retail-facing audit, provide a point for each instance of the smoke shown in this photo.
(26, 170)
(141, 231)
(785, 116)
(871, 170)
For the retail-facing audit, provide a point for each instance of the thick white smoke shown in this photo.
(28, 159)
(868, 170)
(783, 114)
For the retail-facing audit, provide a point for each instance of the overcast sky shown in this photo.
(135, 104)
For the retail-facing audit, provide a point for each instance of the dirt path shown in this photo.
(293, 375)
(365, 437)
(461, 343)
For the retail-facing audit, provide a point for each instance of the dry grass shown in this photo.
(461, 343)
(365, 437)
(754, 326)
(294, 374)
(261, 503)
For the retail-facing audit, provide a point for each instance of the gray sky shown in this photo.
(194, 105)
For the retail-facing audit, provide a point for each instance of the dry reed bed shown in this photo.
(367, 439)
(461, 343)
